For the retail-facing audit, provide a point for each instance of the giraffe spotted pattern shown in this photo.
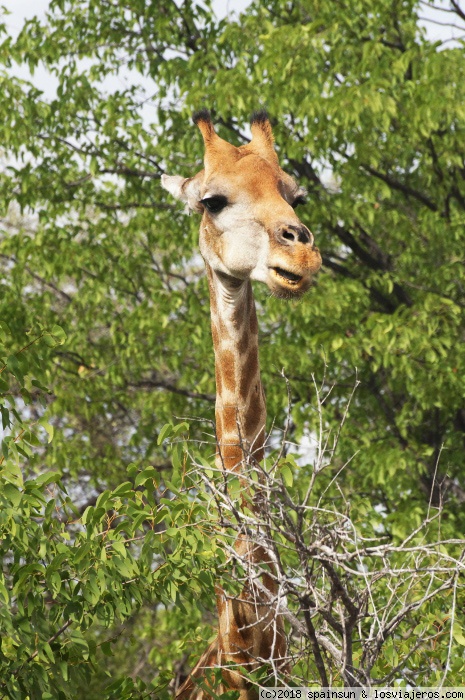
(249, 231)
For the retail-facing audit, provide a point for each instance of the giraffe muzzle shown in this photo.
(286, 284)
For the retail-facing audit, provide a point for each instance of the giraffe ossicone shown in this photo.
(249, 231)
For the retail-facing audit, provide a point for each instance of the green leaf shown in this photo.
(165, 432)
(48, 428)
(58, 334)
(458, 635)
(12, 493)
(48, 478)
(123, 489)
(286, 473)
(5, 417)
(150, 473)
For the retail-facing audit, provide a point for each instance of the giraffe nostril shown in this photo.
(304, 235)
(288, 235)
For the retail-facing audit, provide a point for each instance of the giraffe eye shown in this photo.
(297, 201)
(214, 204)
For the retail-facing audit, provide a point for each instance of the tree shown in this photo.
(105, 308)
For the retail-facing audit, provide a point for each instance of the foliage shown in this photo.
(105, 318)
(69, 574)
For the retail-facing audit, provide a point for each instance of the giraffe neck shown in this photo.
(240, 401)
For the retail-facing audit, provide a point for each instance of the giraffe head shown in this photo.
(249, 227)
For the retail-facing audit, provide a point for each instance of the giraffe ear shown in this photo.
(262, 137)
(186, 189)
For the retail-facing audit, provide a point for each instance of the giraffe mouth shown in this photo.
(289, 277)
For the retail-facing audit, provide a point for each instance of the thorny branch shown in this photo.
(345, 589)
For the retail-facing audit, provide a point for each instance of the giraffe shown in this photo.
(249, 231)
